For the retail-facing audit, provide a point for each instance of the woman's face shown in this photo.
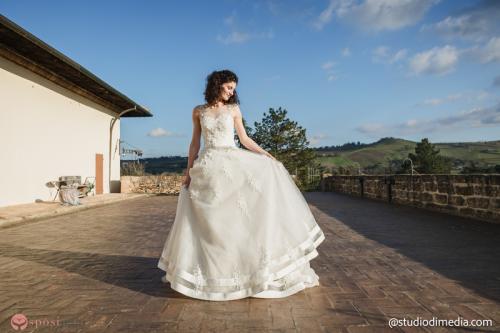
(227, 90)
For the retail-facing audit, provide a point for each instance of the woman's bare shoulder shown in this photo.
(235, 110)
(199, 108)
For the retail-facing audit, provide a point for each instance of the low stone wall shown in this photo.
(476, 196)
(166, 184)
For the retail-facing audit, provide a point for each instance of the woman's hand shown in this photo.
(186, 181)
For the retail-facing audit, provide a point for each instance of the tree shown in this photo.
(472, 167)
(286, 141)
(397, 166)
(427, 159)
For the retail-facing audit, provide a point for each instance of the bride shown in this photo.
(242, 227)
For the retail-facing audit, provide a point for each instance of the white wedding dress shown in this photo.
(242, 227)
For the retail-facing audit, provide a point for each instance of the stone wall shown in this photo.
(167, 184)
(476, 196)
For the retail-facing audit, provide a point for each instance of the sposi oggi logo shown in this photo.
(19, 322)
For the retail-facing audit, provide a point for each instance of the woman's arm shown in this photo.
(244, 138)
(194, 146)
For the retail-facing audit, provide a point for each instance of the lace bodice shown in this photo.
(217, 130)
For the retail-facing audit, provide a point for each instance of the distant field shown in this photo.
(378, 153)
(159, 165)
(487, 153)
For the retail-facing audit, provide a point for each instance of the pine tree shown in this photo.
(286, 141)
(427, 159)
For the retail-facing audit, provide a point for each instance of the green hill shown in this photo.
(380, 153)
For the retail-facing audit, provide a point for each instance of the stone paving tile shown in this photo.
(96, 271)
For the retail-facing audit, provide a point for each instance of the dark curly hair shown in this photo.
(214, 84)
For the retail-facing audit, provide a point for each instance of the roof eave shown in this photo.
(25, 49)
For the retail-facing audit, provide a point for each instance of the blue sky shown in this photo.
(346, 70)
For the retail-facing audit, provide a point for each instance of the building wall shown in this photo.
(46, 131)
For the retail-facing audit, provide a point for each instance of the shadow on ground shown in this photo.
(135, 273)
(462, 249)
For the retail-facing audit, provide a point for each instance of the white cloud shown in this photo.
(485, 54)
(443, 60)
(439, 101)
(475, 117)
(371, 128)
(326, 15)
(158, 132)
(375, 15)
(400, 55)
(468, 96)
(328, 65)
(411, 123)
(237, 36)
(433, 101)
(463, 26)
(475, 23)
(233, 38)
(231, 19)
(332, 77)
(438, 60)
(383, 54)
(346, 52)
(316, 139)
(331, 73)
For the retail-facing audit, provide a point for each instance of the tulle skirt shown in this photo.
(242, 229)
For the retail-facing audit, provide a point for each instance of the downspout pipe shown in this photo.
(112, 124)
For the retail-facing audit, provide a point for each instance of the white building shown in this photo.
(56, 119)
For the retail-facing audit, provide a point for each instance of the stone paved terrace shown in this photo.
(95, 271)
